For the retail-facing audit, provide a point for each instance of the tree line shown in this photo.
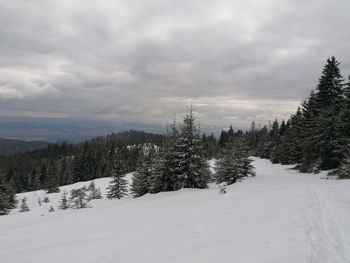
(317, 136)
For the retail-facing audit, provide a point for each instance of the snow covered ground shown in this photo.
(278, 216)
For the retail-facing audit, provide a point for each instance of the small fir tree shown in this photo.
(24, 206)
(64, 204)
(233, 164)
(118, 186)
(79, 198)
(95, 193)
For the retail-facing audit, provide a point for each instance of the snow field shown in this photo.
(277, 216)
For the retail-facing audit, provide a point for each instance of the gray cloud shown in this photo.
(143, 60)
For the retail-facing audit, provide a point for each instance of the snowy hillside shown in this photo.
(277, 216)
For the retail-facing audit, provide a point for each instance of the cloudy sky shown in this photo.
(144, 60)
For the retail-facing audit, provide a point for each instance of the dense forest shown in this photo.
(9, 146)
(61, 164)
(317, 136)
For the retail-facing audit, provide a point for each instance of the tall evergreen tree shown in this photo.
(193, 168)
(166, 165)
(142, 178)
(7, 197)
(118, 186)
(328, 101)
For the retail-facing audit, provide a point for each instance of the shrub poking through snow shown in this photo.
(24, 206)
(64, 204)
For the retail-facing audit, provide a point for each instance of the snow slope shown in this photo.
(278, 216)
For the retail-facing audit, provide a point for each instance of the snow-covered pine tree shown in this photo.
(345, 112)
(165, 166)
(233, 164)
(24, 206)
(51, 209)
(79, 198)
(95, 193)
(141, 180)
(328, 100)
(310, 155)
(7, 197)
(192, 166)
(343, 171)
(52, 185)
(118, 186)
(64, 204)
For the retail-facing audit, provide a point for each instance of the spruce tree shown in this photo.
(95, 193)
(7, 197)
(24, 206)
(343, 171)
(118, 186)
(233, 164)
(165, 167)
(327, 133)
(52, 185)
(79, 198)
(193, 168)
(141, 181)
(64, 204)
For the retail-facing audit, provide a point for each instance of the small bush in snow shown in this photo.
(222, 189)
(46, 199)
(64, 204)
(24, 206)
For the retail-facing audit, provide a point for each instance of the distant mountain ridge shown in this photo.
(9, 146)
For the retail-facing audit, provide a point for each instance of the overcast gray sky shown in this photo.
(144, 60)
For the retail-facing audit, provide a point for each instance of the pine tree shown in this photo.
(95, 193)
(79, 198)
(343, 171)
(24, 206)
(327, 133)
(7, 197)
(233, 164)
(51, 209)
(118, 186)
(193, 168)
(141, 181)
(52, 185)
(165, 166)
(64, 204)
(345, 113)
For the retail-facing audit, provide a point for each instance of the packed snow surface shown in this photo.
(278, 216)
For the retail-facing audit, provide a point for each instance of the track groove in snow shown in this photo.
(277, 216)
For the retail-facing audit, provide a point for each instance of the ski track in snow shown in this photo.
(279, 216)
